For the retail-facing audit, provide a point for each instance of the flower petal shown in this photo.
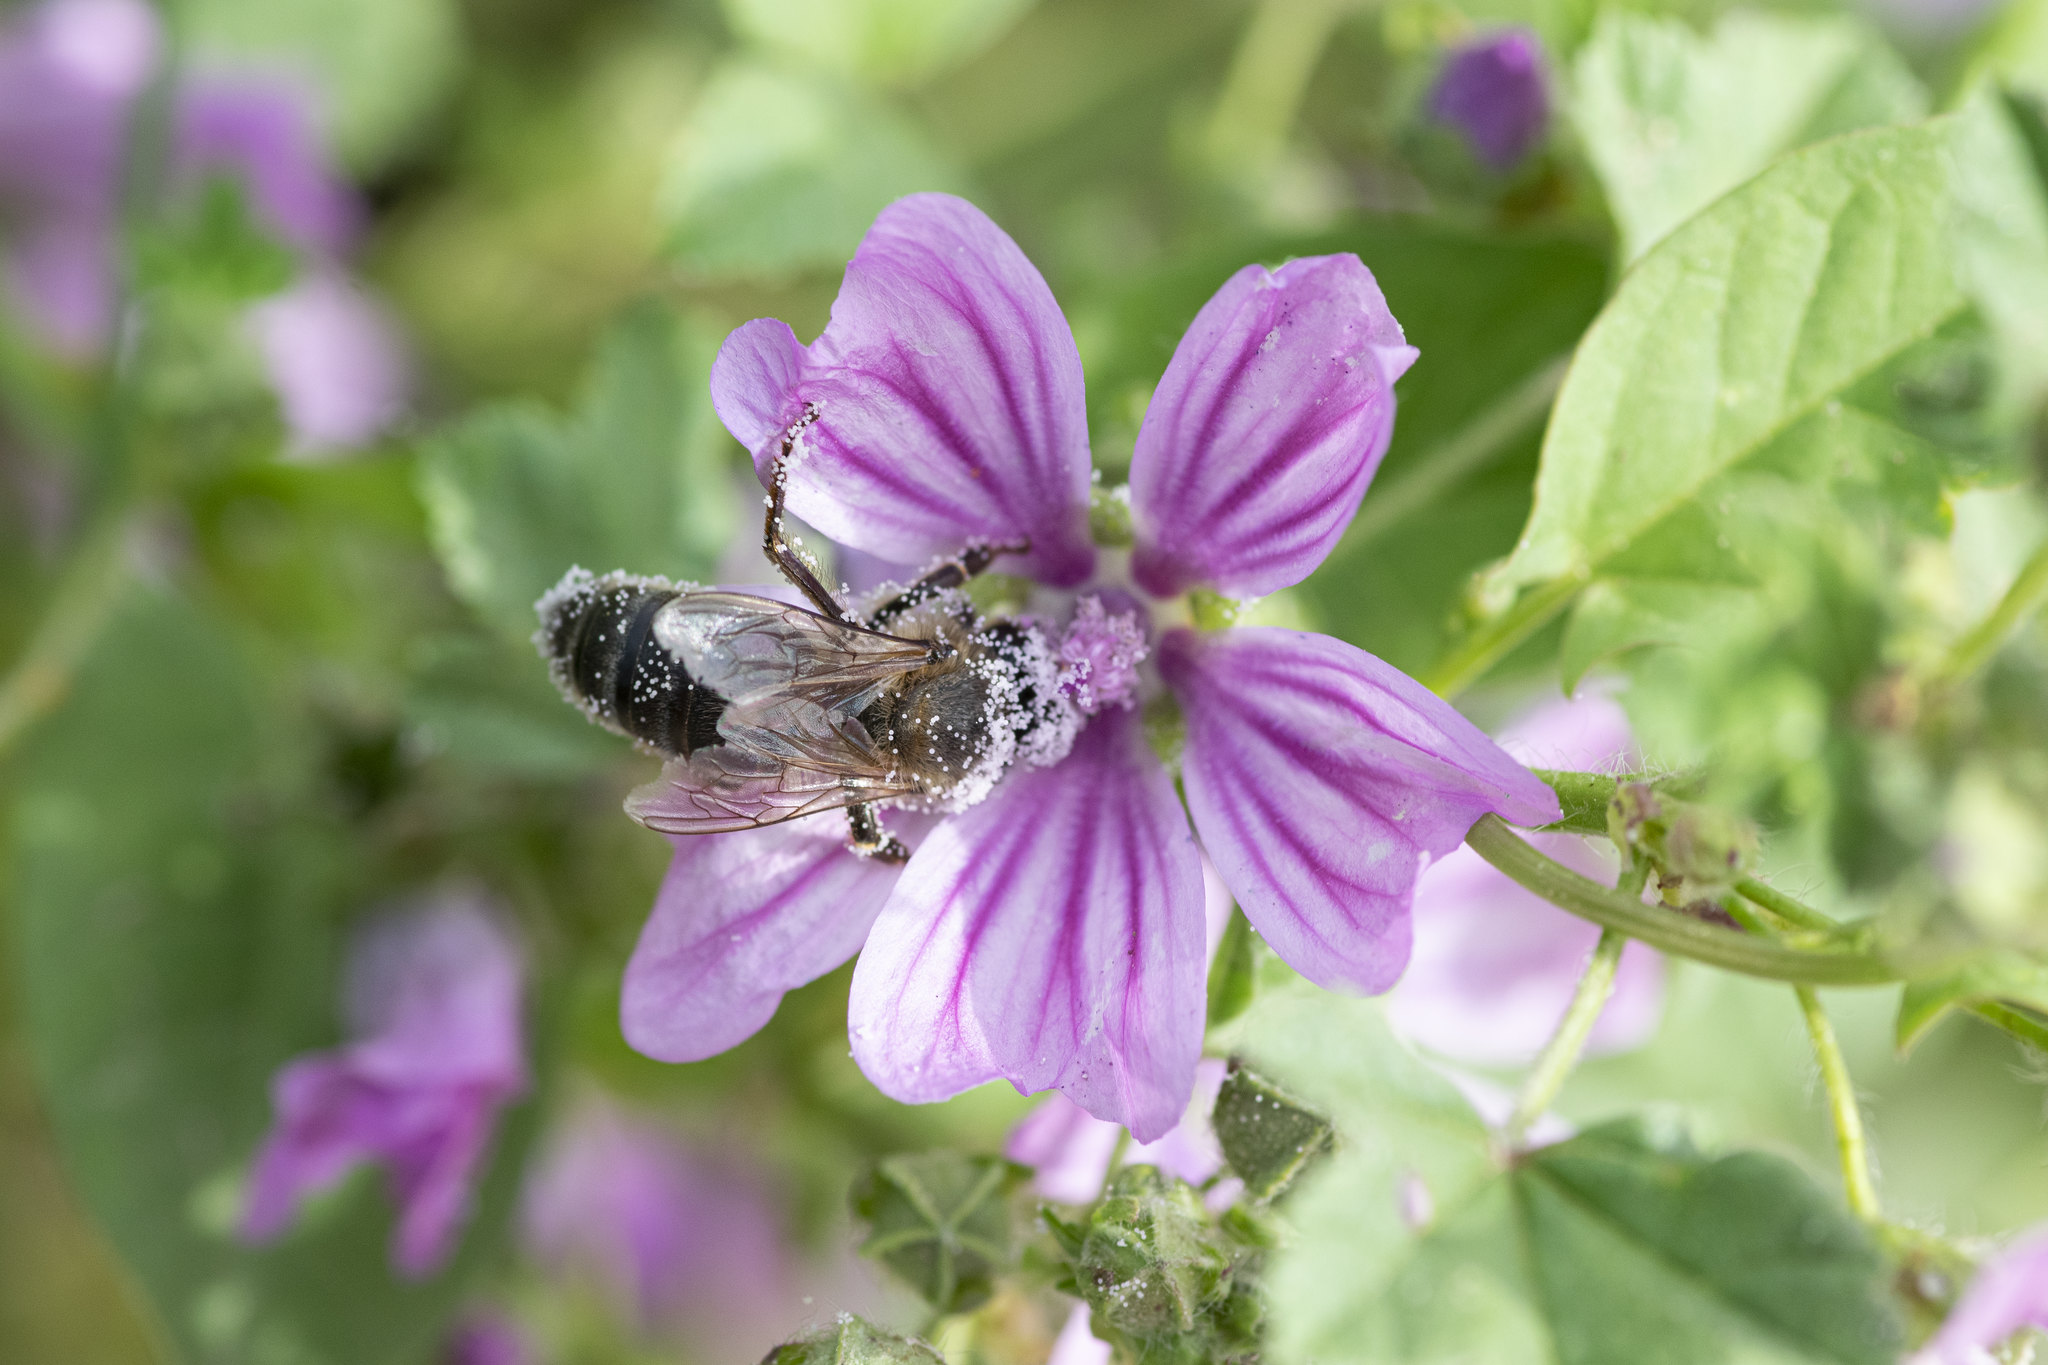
(2008, 1293)
(1068, 1147)
(1051, 935)
(948, 394)
(1322, 780)
(1266, 428)
(739, 920)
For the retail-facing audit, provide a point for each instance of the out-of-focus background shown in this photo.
(333, 330)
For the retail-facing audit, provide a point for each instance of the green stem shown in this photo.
(1668, 930)
(1975, 649)
(1471, 448)
(1497, 635)
(1848, 1118)
(2018, 1023)
(78, 610)
(1792, 911)
(1268, 76)
(1561, 1054)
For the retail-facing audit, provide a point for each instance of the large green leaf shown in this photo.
(1673, 120)
(1756, 352)
(637, 479)
(778, 171)
(176, 906)
(1419, 1243)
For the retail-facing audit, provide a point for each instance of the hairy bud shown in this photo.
(851, 1341)
(1268, 1137)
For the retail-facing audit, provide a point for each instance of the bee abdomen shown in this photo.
(598, 636)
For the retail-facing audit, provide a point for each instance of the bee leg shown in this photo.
(789, 560)
(870, 840)
(952, 573)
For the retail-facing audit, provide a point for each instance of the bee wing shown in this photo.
(741, 646)
(726, 788)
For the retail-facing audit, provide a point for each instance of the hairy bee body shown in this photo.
(602, 647)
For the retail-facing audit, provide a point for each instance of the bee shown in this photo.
(766, 712)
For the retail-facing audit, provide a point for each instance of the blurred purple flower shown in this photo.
(1052, 934)
(1076, 1344)
(488, 1339)
(1494, 91)
(261, 128)
(661, 1230)
(2008, 1293)
(1494, 965)
(69, 74)
(335, 359)
(433, 1009)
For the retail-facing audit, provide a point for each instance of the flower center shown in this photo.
(1098, 657)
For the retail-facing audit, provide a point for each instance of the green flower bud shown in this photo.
(1268, 1137)
(941, 1221)
(850, 1341)
(1151, 1259)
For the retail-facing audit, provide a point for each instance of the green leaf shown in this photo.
(881, 42)
(1672, 120)
(380, 66)
(1268, 1137)
(1233, 976)
(1757, 352)
(2002, 231)
(941, 1221)
(2002, 978)
(175, 909)
(636, 480)
(777, 171)
(853, 1341)
(480, 701)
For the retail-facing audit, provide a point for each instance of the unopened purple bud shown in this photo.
(487, 1339)
(1493, 90)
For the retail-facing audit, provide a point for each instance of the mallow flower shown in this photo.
(1494, 965)
(663, 1233)
(1493, 90)
(1051, 932)
(2009, 1294)
(433, 1004)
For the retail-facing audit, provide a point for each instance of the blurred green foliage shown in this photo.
(1792, 328)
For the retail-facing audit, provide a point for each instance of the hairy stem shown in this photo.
(1561, 1054)
(2021, 600)
(1471, 448)
(84, 598)
(1271, 70)
(1668, 930)
(1848, 1118)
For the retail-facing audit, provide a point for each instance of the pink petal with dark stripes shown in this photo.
(740, 920)
(948, 394)
(1052, 936)
(1322, 781)
(1266, 428)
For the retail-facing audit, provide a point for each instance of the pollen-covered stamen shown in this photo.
(1098, 657)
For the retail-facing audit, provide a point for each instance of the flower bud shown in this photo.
(852, 1341)
(1151, 1260)
(1268, 1138)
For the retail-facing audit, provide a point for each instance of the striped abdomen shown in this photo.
(598, 634)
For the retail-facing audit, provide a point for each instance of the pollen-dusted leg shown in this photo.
(951, 573)
(789, 560)
(870, 840)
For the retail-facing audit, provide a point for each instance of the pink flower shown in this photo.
(335, 360)
(70, 71)
(261, 128)
(663, 1231)
(487, 1339)
(2008, 1294)
(1494, 91)
(433, 1007)
(1495, 965)
(1052, 933)
(1076, 1344)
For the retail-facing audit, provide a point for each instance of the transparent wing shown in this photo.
(726, 788)
(741, 646)
(796, 732)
